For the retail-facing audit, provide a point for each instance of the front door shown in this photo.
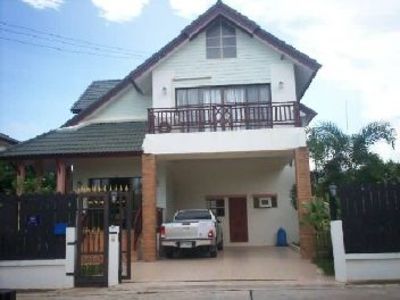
(238, 219)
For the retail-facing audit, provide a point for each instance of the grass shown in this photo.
(326, 265)
(90, 270)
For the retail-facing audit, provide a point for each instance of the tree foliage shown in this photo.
(8, 182)
(346, 158)
(317, 214)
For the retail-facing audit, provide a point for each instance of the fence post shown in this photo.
(70, 254)
(339, 255)
(113, 255)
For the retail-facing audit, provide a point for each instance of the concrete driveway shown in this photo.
(234, 263)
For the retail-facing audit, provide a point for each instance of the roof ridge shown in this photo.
(104, 80)
(8, 138)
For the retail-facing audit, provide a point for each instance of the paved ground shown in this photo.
(234, 263)
(221, 291)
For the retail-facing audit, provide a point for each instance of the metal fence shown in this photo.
(33, 226)
(371, 218)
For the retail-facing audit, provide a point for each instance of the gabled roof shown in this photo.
(93, 92)
(98, 139)
(8, 139)
(189, 32)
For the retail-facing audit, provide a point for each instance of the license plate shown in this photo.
(185, 245)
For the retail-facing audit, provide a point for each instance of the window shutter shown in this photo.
(274, 201)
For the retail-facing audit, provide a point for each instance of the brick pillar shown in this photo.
(149, 211)
(38, 175)
(20, 178)
(61, 172)
(303, 183)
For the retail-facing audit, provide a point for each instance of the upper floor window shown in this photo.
(221, 40)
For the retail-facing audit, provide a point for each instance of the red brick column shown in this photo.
(20, 178)
(149, 185)
(61, 172)
(303, 182)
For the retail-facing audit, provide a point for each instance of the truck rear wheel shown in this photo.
(213, 251)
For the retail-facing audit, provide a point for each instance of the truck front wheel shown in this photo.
(169, 252)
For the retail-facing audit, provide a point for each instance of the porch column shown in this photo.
(303, 183)
(38, 175)
(61, 172)
(149, 211)
(20, 178)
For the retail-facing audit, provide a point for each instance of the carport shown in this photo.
(233, 264)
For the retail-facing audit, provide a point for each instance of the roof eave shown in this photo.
(70, 155)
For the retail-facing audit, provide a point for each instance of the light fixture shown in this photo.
(114, 196)
(281, 85)
(164, 90)
(333, 189)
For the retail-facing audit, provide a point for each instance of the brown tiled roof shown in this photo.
(189, 32)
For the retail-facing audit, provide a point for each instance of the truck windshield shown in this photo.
(193, 215)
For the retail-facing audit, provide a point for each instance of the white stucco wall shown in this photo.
(353, 267)
(35, 274)
(86, 168)
(193, 180)
(271, 139)
(126, 105)
(255, 63)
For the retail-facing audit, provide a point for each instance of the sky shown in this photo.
(41, 76)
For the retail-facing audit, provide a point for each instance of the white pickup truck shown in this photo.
(190, 229)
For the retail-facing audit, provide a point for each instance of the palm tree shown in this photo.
(340, 157)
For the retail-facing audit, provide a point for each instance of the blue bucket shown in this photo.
(281, 239)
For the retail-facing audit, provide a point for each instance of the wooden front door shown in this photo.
(238, 219)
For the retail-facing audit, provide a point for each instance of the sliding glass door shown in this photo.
(235, 94)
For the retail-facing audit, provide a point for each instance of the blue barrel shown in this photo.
(281, 240)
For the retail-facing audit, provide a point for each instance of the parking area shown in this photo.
(233, 263)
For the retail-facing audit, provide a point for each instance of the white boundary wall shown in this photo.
(56, 273)
(40, 274)
(361, 266)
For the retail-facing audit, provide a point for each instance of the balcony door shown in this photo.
(223, 95)
(224, 107)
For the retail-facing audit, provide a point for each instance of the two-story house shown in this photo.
(213, 119)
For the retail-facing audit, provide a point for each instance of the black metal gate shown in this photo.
(121, 214)
(91, 268)
(96, 212)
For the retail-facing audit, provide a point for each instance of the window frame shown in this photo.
(222, 39)
(216, 209)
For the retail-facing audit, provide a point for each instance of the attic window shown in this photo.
(221, 40)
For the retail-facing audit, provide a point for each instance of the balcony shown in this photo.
(223, 117)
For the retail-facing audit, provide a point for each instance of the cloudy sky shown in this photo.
(356, 41)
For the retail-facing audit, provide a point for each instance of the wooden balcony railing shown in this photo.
(220, 117)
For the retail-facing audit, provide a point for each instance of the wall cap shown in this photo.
(33, 263)
(367, 256)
